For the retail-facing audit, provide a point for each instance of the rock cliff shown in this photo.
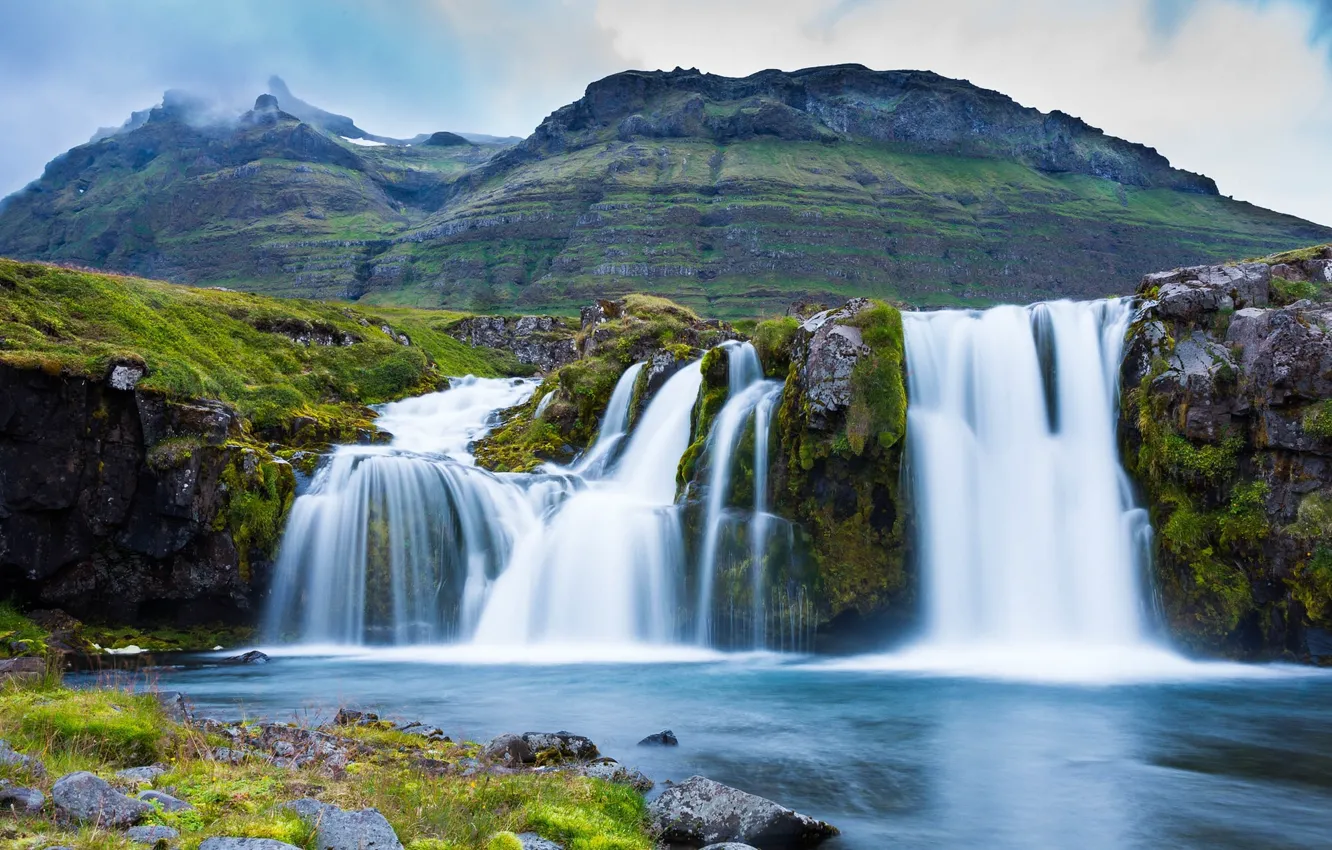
(1226, 423)
(120, 505)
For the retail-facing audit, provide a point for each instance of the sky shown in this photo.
(1240, 90)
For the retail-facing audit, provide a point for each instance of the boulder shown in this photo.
(9, 757)
(176, 706)
(700, 811)
(336, 829)
(245, 844)
(532, 841)
(21, 800)
(514, 750)
(22, 669)
(89, 799)
(612, 771)
(153, 835)
(827, 350)
(166, 801)
(350, 717)
(145, 775)
(664, 738)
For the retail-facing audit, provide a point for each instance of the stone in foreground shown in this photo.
(21, 800)
(89, 799)
(336, 829)
(245, 844)
(700, 812)
(532, 841)
(146, 775)
(10, 757)
(151, 835)
(166, 801)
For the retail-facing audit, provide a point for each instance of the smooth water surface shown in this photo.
(1225, 757)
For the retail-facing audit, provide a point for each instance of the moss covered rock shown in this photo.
(1222, 420)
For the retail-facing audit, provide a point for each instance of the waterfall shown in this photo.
(1027, 534)
(614, 425)
(412, 543)
(605, 566)
(749, 404)
(390, 543)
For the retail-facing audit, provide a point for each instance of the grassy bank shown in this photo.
(419, 784)
(273, 359)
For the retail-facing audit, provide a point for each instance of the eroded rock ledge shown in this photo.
(1226, 424)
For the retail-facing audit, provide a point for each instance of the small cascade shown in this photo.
(1027, 532)
(606, 565)
(614, 426)
(748, 411)
(387, 542)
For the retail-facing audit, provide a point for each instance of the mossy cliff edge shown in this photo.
(1226, 424)
(149, 432)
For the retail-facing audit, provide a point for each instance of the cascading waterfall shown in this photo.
(614, 425)
(606, 566)
(1027, 534)
(749, 405)
(391, 543)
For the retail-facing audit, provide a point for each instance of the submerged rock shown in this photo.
(664, 738)
(335, 829)
(254, 656)
(90, 799)
(700, 811)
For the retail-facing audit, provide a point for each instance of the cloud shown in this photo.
(1238, 89)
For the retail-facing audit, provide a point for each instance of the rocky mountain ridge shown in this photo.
(732, 196)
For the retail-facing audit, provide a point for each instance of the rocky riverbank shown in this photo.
(1226, 424)
(110, 768)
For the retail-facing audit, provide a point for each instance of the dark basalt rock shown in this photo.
(699, 811)
(112, 501)
(254, 656)
(664, 738)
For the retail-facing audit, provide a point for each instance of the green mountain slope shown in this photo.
(735, 196)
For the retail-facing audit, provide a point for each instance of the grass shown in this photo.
(104, 729)
(237, 347)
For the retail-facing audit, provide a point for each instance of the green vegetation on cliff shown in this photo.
(842, 482)
(275, 360)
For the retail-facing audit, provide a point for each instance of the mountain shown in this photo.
(735, 196)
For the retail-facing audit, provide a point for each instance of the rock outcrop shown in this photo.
(1226, 422)
(699, 812)
(121, 505)
(541, 341)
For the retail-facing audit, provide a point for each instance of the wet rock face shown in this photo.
(541, 341)
(113, 501)
(1226, 423)
(700, 812)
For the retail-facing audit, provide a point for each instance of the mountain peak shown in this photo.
(918, 111)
